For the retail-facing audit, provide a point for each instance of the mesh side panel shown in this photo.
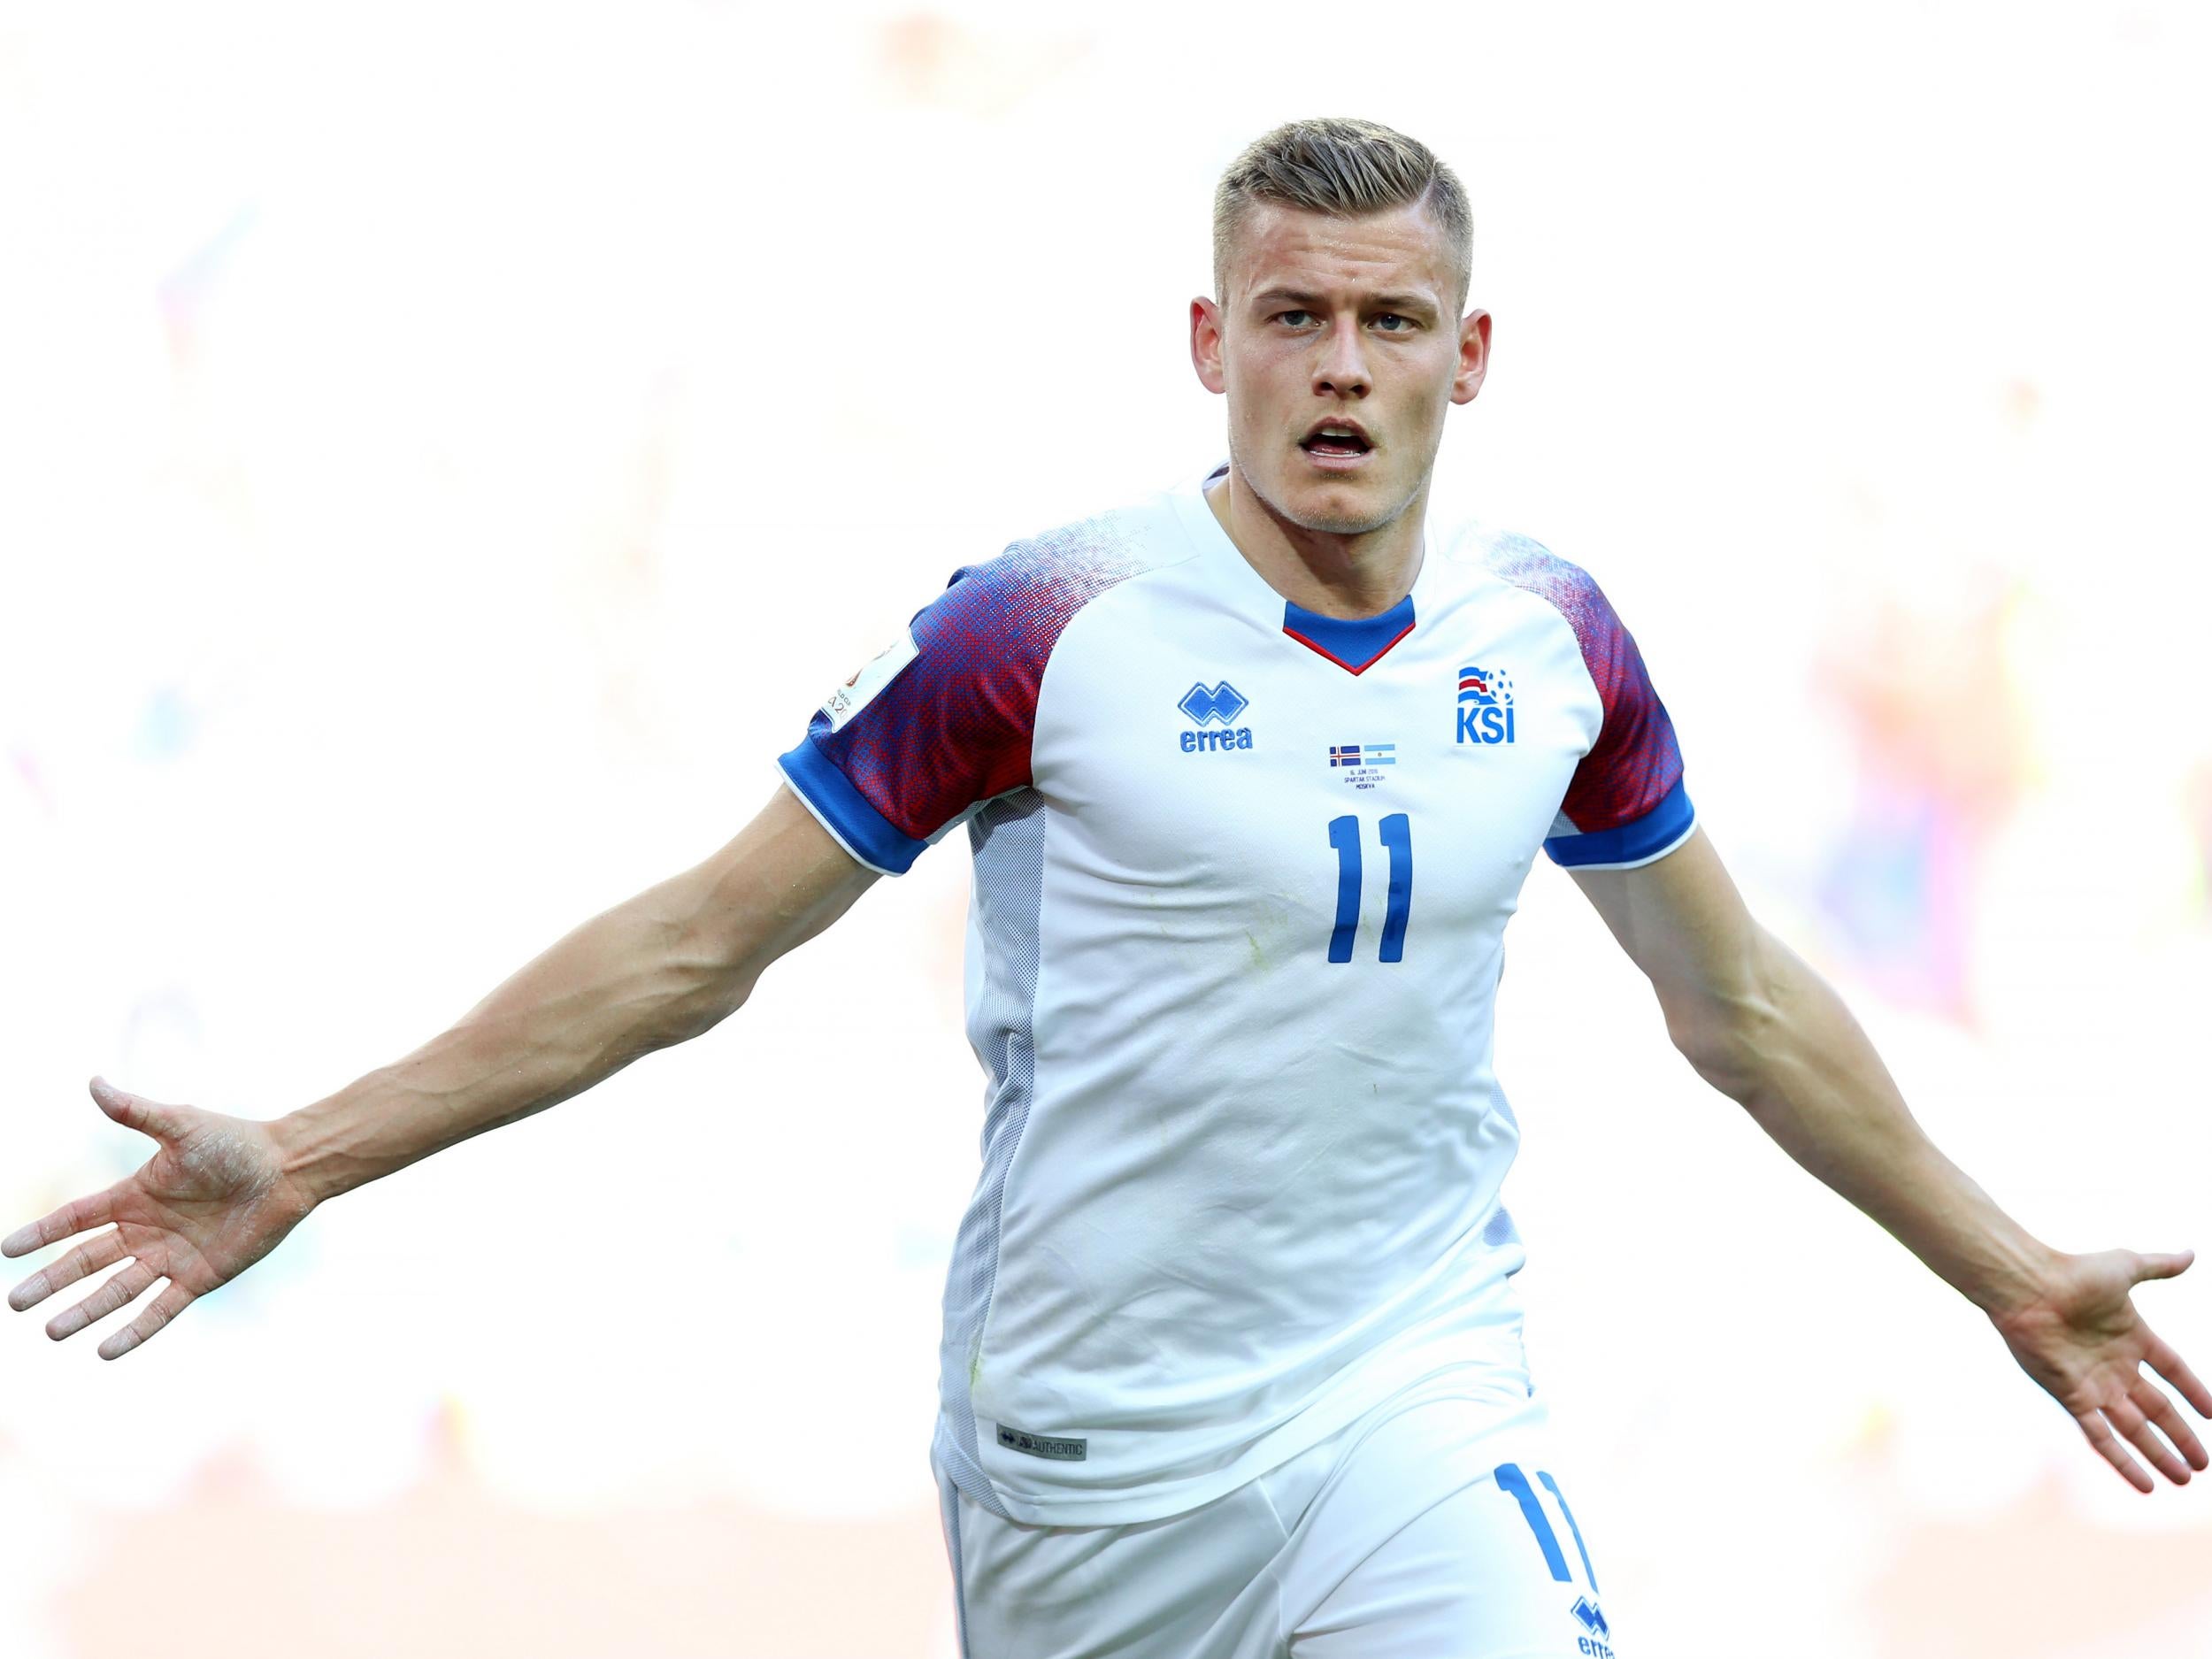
(1007, 837)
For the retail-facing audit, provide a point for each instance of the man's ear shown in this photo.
(1474, 356)
(1205, 343)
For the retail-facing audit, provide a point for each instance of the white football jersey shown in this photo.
(1242, 877)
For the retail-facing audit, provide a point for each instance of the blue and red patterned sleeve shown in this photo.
(1625, 804)
(943, 719)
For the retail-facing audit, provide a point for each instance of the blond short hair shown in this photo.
(1346, 168)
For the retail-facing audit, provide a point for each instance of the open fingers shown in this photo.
(2112, 1451)
(2125, 1415)
(78, 1214)
(90, 1257)
(2151, 1400)
(174, 1299)
(113, 1294)
(2176, 1370)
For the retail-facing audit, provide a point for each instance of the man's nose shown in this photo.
(1342, 367)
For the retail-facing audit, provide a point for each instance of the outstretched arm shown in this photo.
(657, 970)
(664, 966)
(1759, 1026)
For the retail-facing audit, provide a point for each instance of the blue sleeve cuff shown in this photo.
(1653, 836)
(846, 813)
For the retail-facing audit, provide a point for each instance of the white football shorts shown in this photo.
(1437, 1526)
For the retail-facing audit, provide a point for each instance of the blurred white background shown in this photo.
(447, 450)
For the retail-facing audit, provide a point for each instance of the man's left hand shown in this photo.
(2081, 1338)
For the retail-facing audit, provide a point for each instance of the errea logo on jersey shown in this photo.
(1205, 704)
(1486, 706)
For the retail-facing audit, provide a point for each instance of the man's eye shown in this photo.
(1392, 317)
(1292, 318)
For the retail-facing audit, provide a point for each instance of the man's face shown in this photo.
(1347, 322)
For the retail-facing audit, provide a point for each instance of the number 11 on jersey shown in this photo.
(1396, 834)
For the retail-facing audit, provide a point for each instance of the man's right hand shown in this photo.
(212, 1201)
(657, 969)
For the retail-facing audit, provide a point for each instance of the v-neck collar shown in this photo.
(1354, 644)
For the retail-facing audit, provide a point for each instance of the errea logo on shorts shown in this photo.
(1595, 1644)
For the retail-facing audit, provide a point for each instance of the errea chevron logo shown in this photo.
(1596, 1644)
(1206, 705)
(1223, 703)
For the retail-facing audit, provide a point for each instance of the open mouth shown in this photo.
(1336, 443)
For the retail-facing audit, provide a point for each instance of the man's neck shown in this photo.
(1352, 577)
